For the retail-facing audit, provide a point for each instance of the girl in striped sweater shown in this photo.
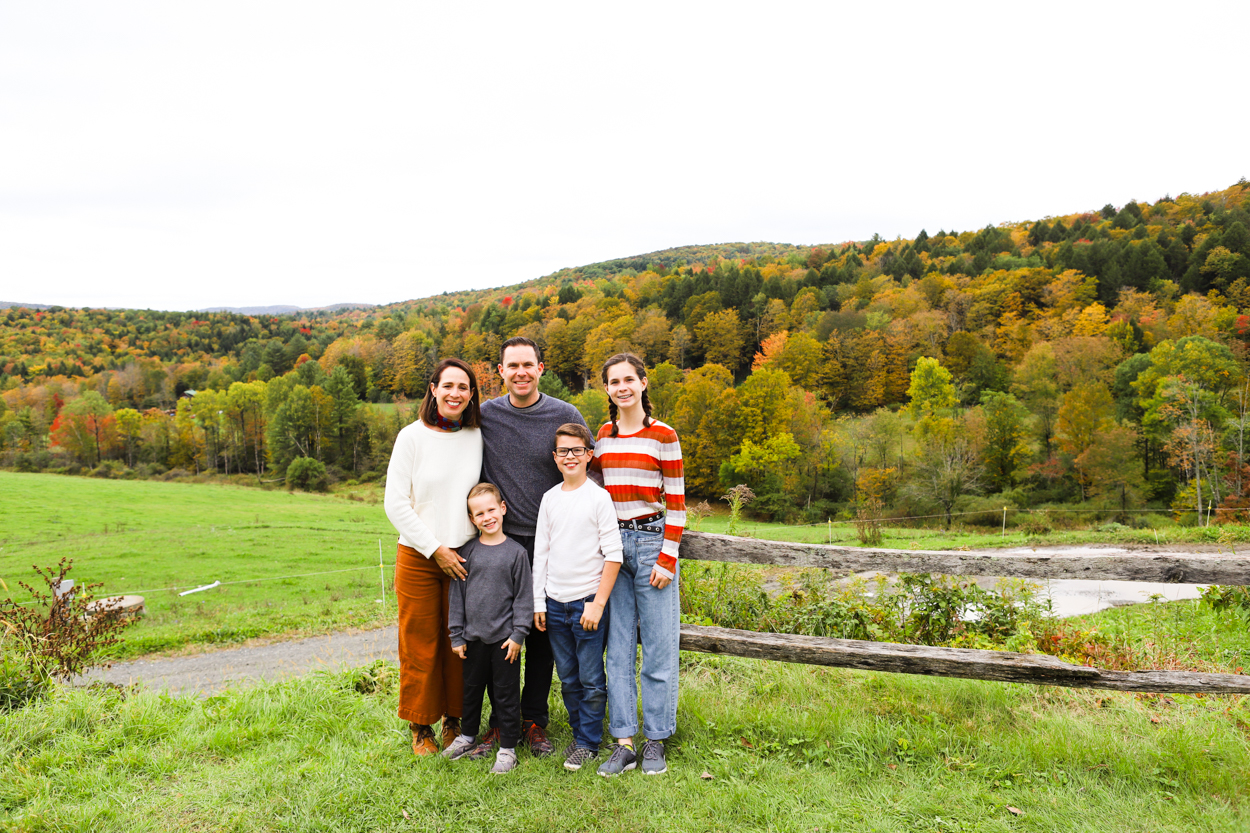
(640, 461)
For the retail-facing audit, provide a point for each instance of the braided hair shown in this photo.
(637, 364)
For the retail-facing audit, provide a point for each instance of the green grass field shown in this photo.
(289, 563)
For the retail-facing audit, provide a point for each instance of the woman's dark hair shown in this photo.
(472, 417)
(642, 374)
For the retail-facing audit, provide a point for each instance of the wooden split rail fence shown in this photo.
(1004, 666)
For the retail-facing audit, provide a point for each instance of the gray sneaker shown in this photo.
(621, 760)
(578, 756)
(505, 761)
(653, 758)
(459, 747)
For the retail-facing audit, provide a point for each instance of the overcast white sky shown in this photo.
(183, 155)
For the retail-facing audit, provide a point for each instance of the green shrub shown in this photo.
(306, 474)
(915, 609)
(32, 461)
(1232, 599)
(1035, 525)
(110, 470)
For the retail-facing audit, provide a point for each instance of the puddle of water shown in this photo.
(1076, 597)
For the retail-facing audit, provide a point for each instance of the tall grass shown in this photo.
(760, 746)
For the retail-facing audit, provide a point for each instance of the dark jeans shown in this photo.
(579, 660)
(538, 661)
(486, 667)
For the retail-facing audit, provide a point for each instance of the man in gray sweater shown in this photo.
(518, 435)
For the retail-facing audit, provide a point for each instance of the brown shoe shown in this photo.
(423, 740)
(451, 729)
(540, 745)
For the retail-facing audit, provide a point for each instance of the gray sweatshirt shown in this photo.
(496, 601)
(516, 454)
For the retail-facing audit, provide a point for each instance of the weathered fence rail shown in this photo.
(1111, 565)
(1004, 666)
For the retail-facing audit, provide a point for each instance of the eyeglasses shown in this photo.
(576, 452)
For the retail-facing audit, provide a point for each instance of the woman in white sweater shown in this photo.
(436, 461)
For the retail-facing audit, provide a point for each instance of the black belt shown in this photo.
(647, 524)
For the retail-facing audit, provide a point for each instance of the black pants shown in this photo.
(539, 662)
(486, 667)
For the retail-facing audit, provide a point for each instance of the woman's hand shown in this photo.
(450, 562)
(659, 582)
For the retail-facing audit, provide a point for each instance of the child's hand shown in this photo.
(459, 650)
(591, 614)
(658, 581)
(513, 649)
(540, 621)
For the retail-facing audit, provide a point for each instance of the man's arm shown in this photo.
(522, 599)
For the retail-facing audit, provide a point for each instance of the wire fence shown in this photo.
(1013, 510)
(192, 587)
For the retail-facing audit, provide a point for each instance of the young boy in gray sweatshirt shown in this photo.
(490, 614)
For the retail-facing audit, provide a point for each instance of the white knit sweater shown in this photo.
(428, 483)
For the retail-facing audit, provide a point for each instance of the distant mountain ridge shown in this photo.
(277, 309)
(285, 309)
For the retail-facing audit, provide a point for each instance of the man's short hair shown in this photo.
(521, 341)
(576, 429)
(485, 489)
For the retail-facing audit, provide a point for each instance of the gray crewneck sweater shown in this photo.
(496, 601)
(516, 454)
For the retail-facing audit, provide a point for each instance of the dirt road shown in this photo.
(233, 667)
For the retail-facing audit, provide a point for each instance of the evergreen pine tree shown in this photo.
(1038, 233)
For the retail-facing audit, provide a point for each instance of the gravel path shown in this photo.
(233, 667)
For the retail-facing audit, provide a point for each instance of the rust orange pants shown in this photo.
(431, 680)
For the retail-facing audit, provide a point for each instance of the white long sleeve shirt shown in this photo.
(428, 483)
(577, 533)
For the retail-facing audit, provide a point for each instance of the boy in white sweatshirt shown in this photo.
(577, 554)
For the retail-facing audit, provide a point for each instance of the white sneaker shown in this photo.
(505, 761)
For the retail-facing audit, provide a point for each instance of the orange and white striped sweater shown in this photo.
(643, 473)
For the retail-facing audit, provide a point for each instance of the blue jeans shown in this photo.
(639, 609)
(579, 662)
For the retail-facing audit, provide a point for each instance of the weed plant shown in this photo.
(56, 636)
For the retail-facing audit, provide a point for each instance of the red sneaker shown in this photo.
(540, 746)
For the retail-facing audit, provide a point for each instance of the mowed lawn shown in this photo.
(289, 563)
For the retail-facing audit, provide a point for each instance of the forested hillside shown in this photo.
(1095, 357)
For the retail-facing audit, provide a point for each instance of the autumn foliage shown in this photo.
(1095, 357)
